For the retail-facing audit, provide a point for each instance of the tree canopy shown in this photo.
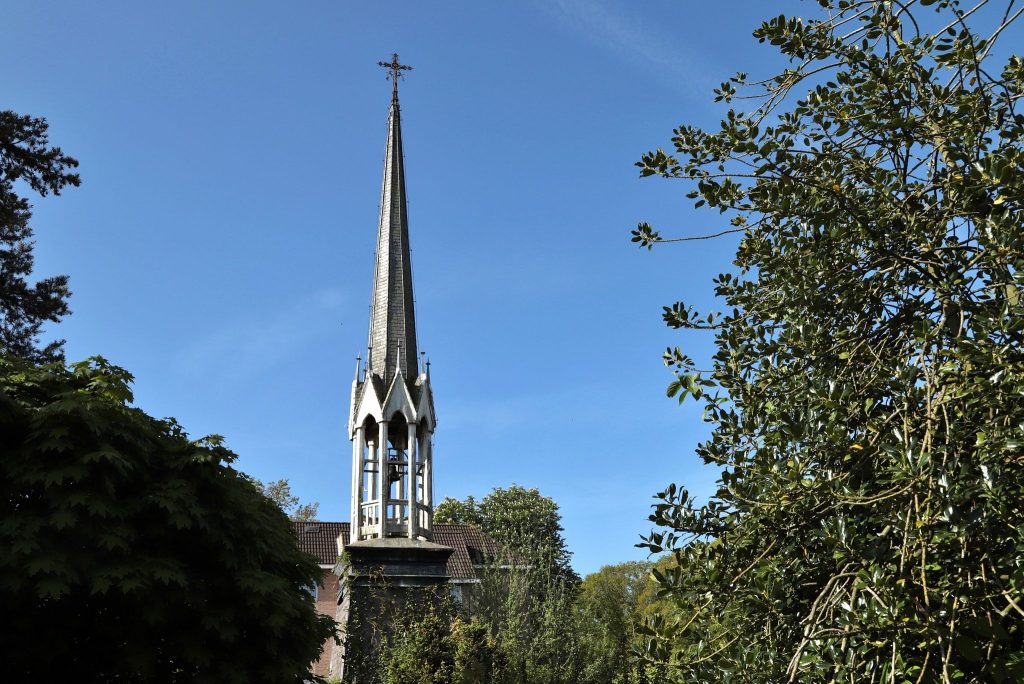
(25, 156)
(866, 387)
(459, 512)
(133, 553)
(280, 492)
(526, 599)
(523, 522)
(614, 600)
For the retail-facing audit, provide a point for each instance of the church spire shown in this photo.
(392, 319)
(392, 420)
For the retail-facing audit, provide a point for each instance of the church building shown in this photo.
(391, 547)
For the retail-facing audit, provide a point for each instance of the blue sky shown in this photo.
(221, 244)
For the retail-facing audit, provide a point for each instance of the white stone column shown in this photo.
(421, 480)
(428, 478)
(371, 457)
(358, 456)
(382, 476)
(410, 457)
(354, 499)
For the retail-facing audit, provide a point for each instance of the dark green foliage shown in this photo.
(416, 636)
(477, 655)
(421, 646)
(394, 634)
(529, 621)
(515, 635)
(25, 156)
(528, 590)
(533, 617)
(527, 610)
(867, 387)
(133, 554)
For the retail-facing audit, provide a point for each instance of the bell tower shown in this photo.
(392, 418)
(389, 557)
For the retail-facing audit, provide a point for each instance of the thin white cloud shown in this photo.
(511, 413)
(646, 45)
(586, 404)
(248, 346)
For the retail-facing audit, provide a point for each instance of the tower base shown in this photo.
(380, 580)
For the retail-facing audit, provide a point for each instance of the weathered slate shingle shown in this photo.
(392, 319)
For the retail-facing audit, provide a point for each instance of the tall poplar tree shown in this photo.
(867, 392)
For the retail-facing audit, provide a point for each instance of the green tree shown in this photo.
(280, 492)
(866, 388)
(454, 511)
(527, 595)
(25, 156)
(421, 647)
(522, 521)
(134, 554)
(615, 599)
(424, 639)
(533, 616)
(477, 656)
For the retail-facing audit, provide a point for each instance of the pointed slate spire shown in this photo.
(392, 319)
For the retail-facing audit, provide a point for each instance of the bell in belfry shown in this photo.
(394, 468)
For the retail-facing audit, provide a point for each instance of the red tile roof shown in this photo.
(320, 540)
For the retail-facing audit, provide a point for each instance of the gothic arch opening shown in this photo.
(369, 512)
(398, 469)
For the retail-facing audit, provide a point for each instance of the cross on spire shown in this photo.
(396, 72)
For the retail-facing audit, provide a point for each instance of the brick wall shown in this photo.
(326, 604)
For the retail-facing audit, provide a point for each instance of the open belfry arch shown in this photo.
(389, 553)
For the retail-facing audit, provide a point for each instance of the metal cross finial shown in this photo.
(396, 72)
